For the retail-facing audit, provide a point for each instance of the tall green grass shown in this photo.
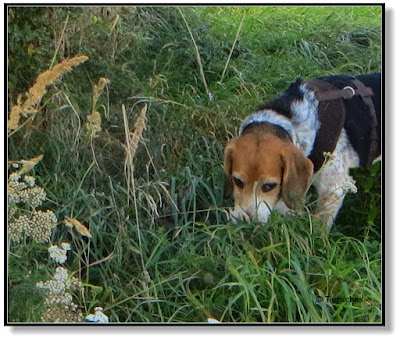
(169, 253)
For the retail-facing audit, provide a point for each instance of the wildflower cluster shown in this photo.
(23, 218)
(38, 226)
(59, 304)
(59, 300)
(22, 190)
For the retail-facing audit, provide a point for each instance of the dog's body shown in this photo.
(270, 165)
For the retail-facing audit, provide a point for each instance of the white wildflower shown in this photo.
(59, 254)
(29, 180)
(213, 321)
(59, 303)
(38, 226)
(66, 246)
(14, 177)
(23, 198)
(98, 316)
(52, 286)
(61, 274)
(349, 185)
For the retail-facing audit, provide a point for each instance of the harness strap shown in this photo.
(332, 115)
(346, 93)
(366, 93)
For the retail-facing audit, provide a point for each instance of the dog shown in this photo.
(312, 133)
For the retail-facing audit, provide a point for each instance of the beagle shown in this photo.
(312, 133)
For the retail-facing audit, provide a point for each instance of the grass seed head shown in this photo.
(82, 229)
(94, 119)
(133, 138)
(36, 92)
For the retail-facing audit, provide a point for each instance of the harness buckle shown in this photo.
(351, 89)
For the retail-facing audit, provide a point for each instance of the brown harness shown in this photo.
(331, 108)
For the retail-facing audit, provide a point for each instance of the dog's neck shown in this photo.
(263, 128)
(269, 117)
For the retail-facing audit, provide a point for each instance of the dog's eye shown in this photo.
(239, 183)
(269, 186)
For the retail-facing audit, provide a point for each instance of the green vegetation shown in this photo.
(161, 246)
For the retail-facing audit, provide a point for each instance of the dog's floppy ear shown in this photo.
(228, 159)
(296, 179)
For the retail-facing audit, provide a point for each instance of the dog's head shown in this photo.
(262, 169)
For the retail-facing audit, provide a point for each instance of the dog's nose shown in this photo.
(249, 211)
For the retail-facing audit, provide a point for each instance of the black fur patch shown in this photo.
(269, 128)
(283, 102)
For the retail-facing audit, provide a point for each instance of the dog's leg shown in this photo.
(332, 188)
(328, 207)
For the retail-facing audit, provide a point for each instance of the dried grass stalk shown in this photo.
(233, 46)
(203, 77)
(133, 138)
(98, 89)
(94, 119)
(132, 143)
(37, 91)
(94, 122)
(27, 165)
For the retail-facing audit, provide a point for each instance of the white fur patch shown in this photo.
(333, 176)
(305, 120)
(333, 181)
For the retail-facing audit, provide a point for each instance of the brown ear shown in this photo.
(296, 176)
(228, 159)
